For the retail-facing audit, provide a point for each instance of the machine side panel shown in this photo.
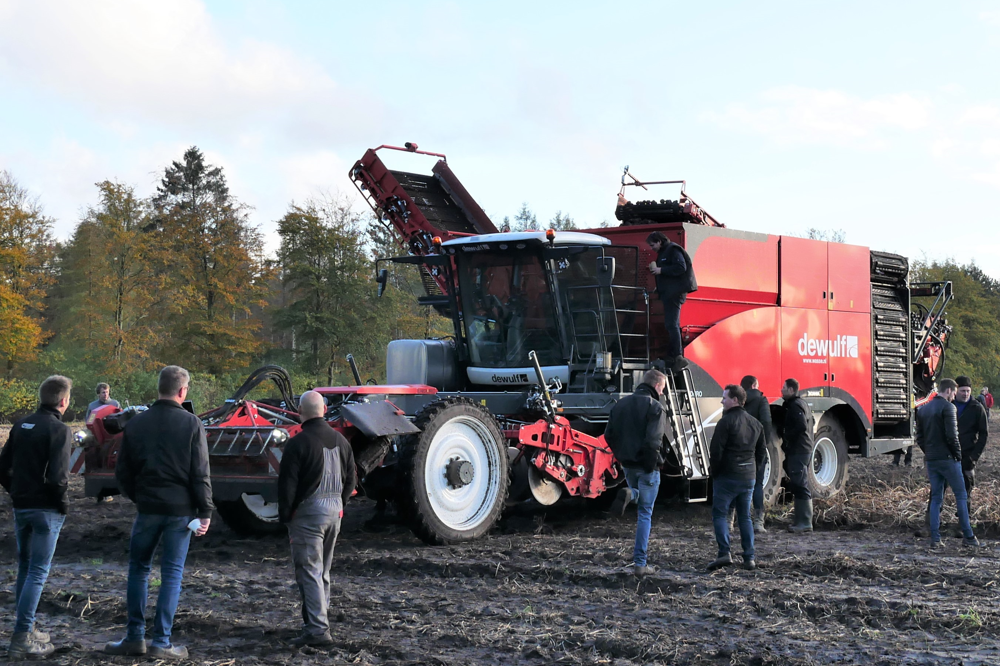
(805, 340)
(850, 354)
(804, 273)
(849, 283)
(744, 344)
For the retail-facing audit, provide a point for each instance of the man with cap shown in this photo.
(973, 430)
(758, 407)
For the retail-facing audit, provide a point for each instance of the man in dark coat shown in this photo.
(973, 431)
(162, 466)
(675, 279)
(635, 434)
(797, 443)
(737, 450)
(317, 478)
(937, 437)
(34, 469)
(758, 407)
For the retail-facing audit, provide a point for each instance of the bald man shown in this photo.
(316, 479)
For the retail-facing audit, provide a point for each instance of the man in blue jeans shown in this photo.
(162, 467)
(736, 451)
(937, 437)
(34, 469)
(635, 434)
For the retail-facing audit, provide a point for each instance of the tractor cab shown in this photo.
(572, 298)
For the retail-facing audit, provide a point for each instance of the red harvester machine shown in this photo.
(551, 329)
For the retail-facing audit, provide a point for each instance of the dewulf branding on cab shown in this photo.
(510, 379)
(818, 350)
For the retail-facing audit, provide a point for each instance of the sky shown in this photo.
(879, 119)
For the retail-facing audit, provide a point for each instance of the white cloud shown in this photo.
(161, 61)
(794, 115)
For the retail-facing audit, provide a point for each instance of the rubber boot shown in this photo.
(803, 517)
(758, 522)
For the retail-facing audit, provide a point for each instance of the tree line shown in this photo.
(182, 277)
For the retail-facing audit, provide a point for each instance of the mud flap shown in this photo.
(378, 419)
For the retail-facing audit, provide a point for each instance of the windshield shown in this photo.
(508, 310)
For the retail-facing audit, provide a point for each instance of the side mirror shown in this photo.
(382, 279)
(605, 271)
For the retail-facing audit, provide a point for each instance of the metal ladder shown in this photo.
(685, 419)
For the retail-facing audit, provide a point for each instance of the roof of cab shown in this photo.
(561, 238)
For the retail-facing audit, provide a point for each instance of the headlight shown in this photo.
(279, 436)
(84, 438)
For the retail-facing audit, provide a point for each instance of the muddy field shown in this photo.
(551, 588)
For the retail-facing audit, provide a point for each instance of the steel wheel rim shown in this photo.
(824, 461)
(464, 438)
(767, 468)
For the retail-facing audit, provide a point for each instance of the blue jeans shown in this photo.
(758, 490)
(941, 473)
(36, 532)
(644, 489)
(726, 492)
(147, 532)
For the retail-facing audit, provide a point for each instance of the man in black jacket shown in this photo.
(973, 431)
(675, 279)
(737, 450)
(758, 407)
(163, 467)
(797, 443)
(316, 479)
(34, 469)
(635, 434)
(937, 437)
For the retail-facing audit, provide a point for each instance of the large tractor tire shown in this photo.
(455, 472)
(828, 469)
(773, 466)
(250, 515)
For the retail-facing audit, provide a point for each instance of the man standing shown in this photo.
(163, 468)
(973, 431)
(635, 434)
(34, 469)
(983, 400)
(797, 443)
(758, 407)
(103, 398)
(736, 452)
(937, 437)
(316, 479)
(674, 281)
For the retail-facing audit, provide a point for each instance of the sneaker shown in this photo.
(725, 560)
(22, 645)
(622, 500)
(171, 653)
(937, 545)
(643, 571)
(312, 639)
(750, 564)
(127, 648)
(972, 542)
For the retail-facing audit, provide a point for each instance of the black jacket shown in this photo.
(973, 430)
(163, 462)
(635, 429)
(981, 399)
(737, 445)
(797, 438)
(758, 407)
(302, 465)
(676, 276)
(937, 430)
(34, 465)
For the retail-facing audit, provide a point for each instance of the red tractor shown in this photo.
(551, 329)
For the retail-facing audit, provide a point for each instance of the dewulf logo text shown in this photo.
(842, 346)
(510, 379)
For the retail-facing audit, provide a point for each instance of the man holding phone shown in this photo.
(162, 467)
